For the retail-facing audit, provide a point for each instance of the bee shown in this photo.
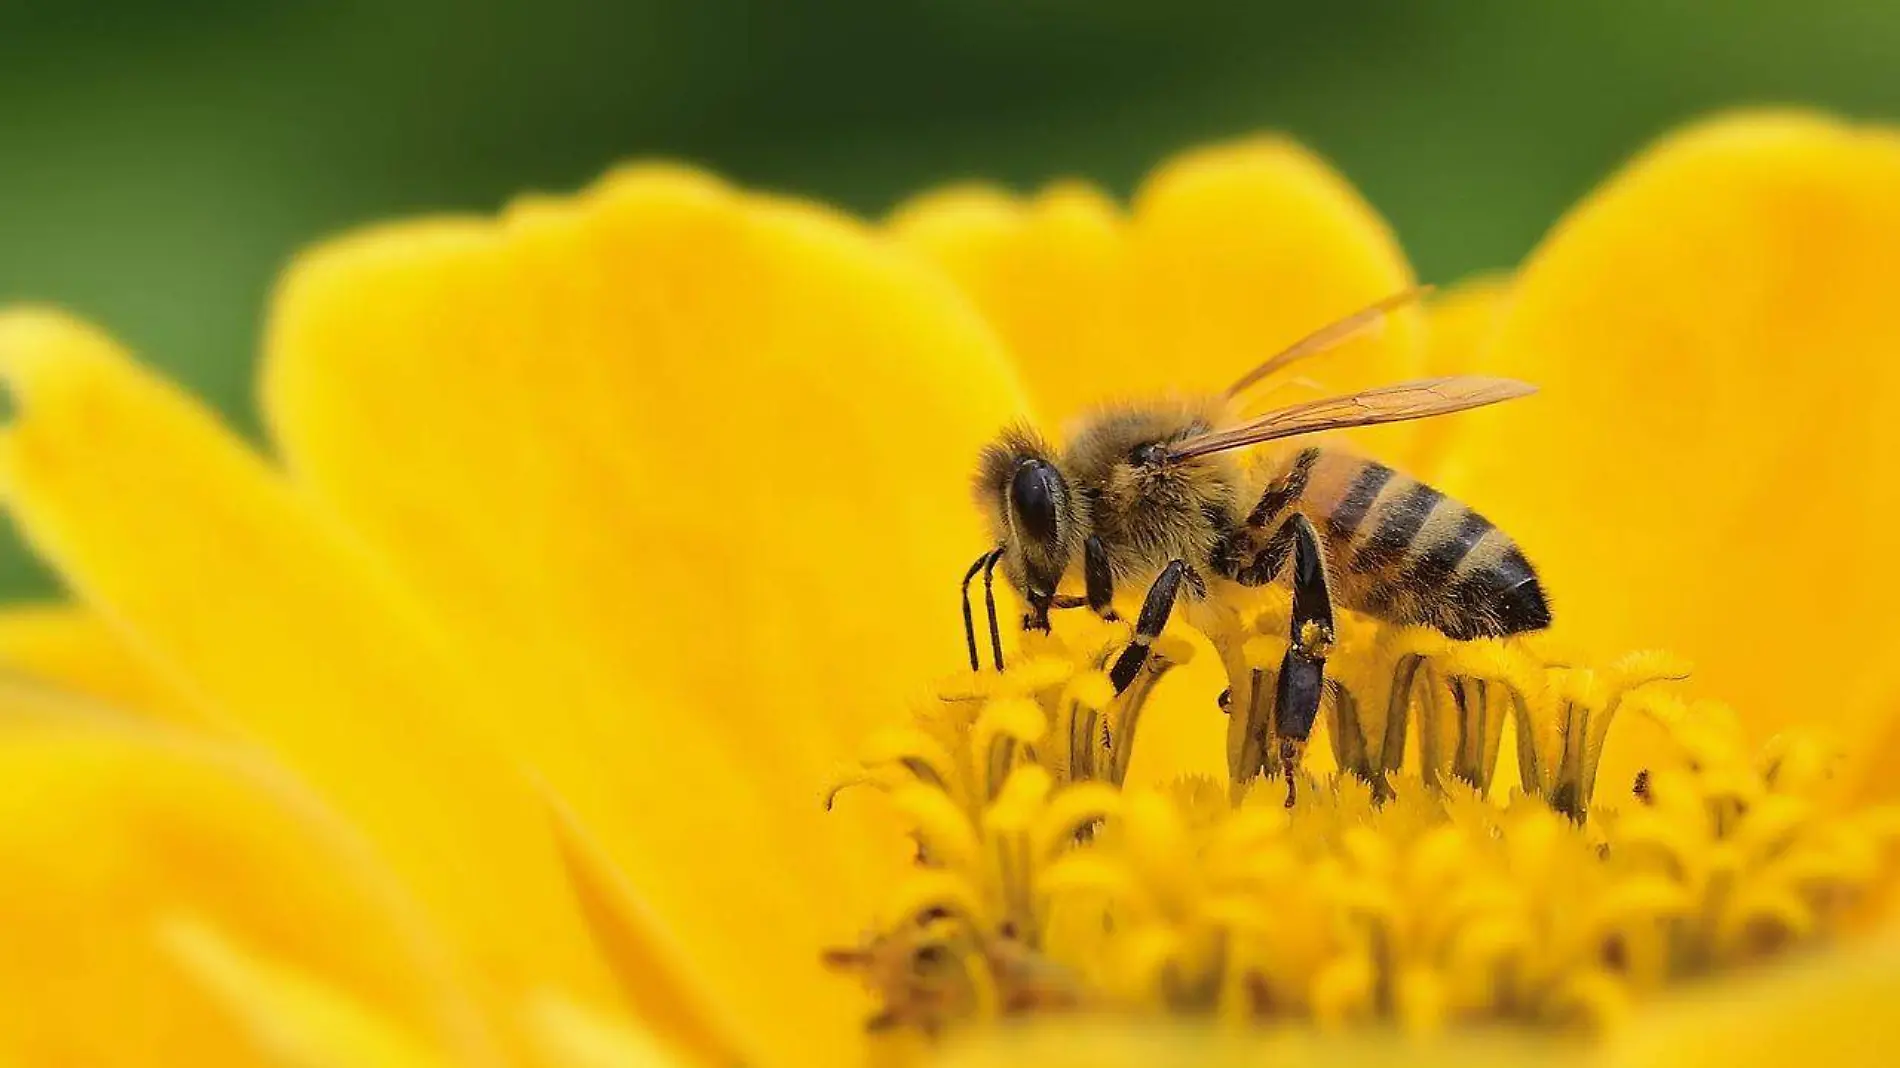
(1154, 492)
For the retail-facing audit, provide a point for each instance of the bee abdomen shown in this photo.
(1397, 527)
(1404, 552)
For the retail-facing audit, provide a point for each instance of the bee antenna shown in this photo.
(969, 620)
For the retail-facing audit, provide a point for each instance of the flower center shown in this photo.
(1415, 880)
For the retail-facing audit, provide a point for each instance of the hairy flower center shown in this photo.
(1405, 883)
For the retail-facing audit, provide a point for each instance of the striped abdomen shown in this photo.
(1400, 550)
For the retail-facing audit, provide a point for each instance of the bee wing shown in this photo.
(1386, 404)
(1367, 320)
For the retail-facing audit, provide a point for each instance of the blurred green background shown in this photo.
(160, 161)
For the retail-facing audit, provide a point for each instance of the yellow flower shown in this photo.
(488, 722)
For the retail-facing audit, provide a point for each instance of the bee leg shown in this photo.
(1155, 609)
(989, 603)
(969, 618)
(1265, 564)
(1271, 560)
(1037, 618)
(1099, 580)
(1303, 668)
(1242, 557)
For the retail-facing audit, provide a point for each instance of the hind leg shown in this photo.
(1303, 668)
(1256, 551)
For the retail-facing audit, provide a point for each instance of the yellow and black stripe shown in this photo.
(1397, 548)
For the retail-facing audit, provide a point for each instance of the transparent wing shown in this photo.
(1368, 320)
(1386, 404)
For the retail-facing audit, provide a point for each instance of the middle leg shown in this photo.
(1155, 609)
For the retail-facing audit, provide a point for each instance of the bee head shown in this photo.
(1031, 513)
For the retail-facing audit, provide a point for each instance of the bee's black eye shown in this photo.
(1034, 495)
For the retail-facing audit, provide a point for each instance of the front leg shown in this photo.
(1037, 618)
(1303, 668)
(1155, 609)
(1099, 579)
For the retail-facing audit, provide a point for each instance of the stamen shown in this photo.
(1407, 886)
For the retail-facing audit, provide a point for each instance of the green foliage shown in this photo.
(158, 162)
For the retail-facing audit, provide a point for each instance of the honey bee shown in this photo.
(1153, 492)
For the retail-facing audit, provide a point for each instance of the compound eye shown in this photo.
(1034, 495)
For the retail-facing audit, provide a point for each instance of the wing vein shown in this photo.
(1418, 399)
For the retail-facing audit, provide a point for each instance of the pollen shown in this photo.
(1315, 639)
(1430, 875)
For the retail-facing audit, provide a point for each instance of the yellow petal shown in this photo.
(1054, 276)
(1460, 322)
(293, 1018)
(107, 828)
(1229, 254)
(1709, 466)
(1835, 1009)
(72, 650)
(1103, 1043)
(279, 628)
(576, 1037)
(684, 474)
(655, 973)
